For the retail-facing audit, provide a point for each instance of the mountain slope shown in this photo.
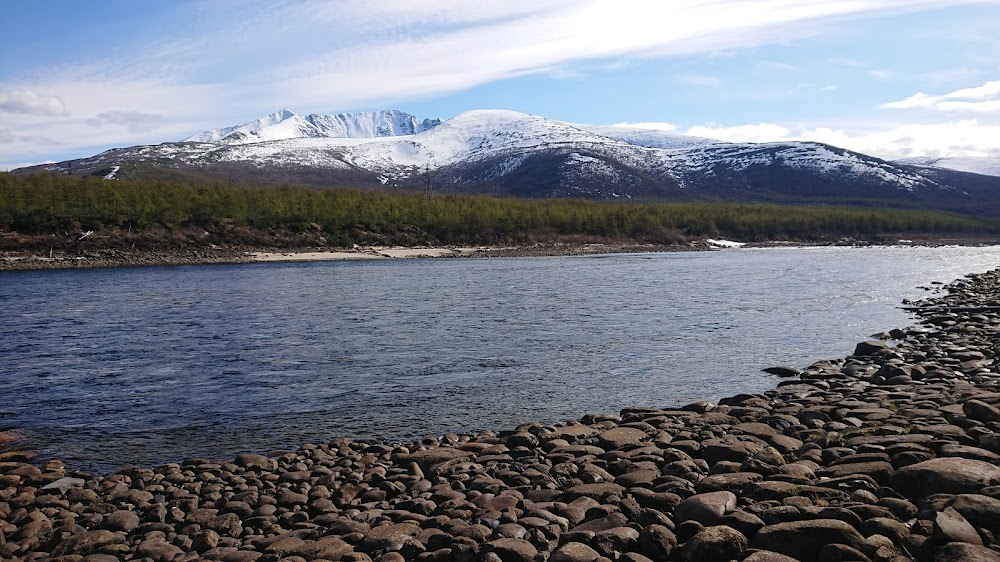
(287, 125)
(510, 153)
(976, 165)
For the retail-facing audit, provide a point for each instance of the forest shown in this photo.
(167, 212)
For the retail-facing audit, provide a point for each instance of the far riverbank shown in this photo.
(21, 260)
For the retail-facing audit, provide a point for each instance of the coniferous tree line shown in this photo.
(44, 203)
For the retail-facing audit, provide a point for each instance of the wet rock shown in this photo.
(782, 371)
(870, 347)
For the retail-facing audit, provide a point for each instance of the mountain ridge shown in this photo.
(286, 124)
(504, 152)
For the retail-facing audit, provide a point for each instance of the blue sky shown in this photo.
(890, 78)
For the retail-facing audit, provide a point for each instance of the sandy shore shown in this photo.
(373, 253)
(28, 260)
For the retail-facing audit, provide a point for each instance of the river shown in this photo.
(109, 367)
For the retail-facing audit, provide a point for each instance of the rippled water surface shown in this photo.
(104, 368)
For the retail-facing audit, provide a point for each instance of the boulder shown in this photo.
(949, 475)
(965, 552)
(950, 526)
(803, 539)
(513, 550)
(714, 543)
(705, 508)
(574, 552)
(982, 511)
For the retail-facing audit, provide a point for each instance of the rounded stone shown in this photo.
(714, 543)
(949, 475)
(707, 508)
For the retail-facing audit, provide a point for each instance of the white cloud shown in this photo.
(893, 141)
(32, 103)
(761, 132)
(651, 125)
(238, 60)
(983, 98)
(419, 57)
(133, 121)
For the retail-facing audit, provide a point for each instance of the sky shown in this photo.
(890, 78)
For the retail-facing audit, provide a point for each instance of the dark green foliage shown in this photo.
(47, 203)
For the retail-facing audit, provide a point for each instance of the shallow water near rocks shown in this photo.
(104, 368)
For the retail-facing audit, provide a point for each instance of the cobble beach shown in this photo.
(892, 453)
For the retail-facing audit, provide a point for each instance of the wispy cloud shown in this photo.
(31, 103)
(700, 80)
(132, 121)
(239, 59)
(985, 98)
(780, 66)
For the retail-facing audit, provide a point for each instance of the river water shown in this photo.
(104, 368)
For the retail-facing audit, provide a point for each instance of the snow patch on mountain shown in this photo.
(285, 124)
(977, 165)
(489, 145)
(649, 138)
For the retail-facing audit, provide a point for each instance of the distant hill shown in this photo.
(508, 153)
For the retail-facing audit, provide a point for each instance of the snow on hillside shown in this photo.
(285, 124)
(649, 138)
(976, 165)
(475, 134)
(394, 144)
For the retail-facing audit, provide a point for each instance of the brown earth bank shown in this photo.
(890, 454)
(190, 246)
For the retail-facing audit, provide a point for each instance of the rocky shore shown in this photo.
(892, 453)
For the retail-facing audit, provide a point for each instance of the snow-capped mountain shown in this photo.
(288, 125)
(510, 153)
